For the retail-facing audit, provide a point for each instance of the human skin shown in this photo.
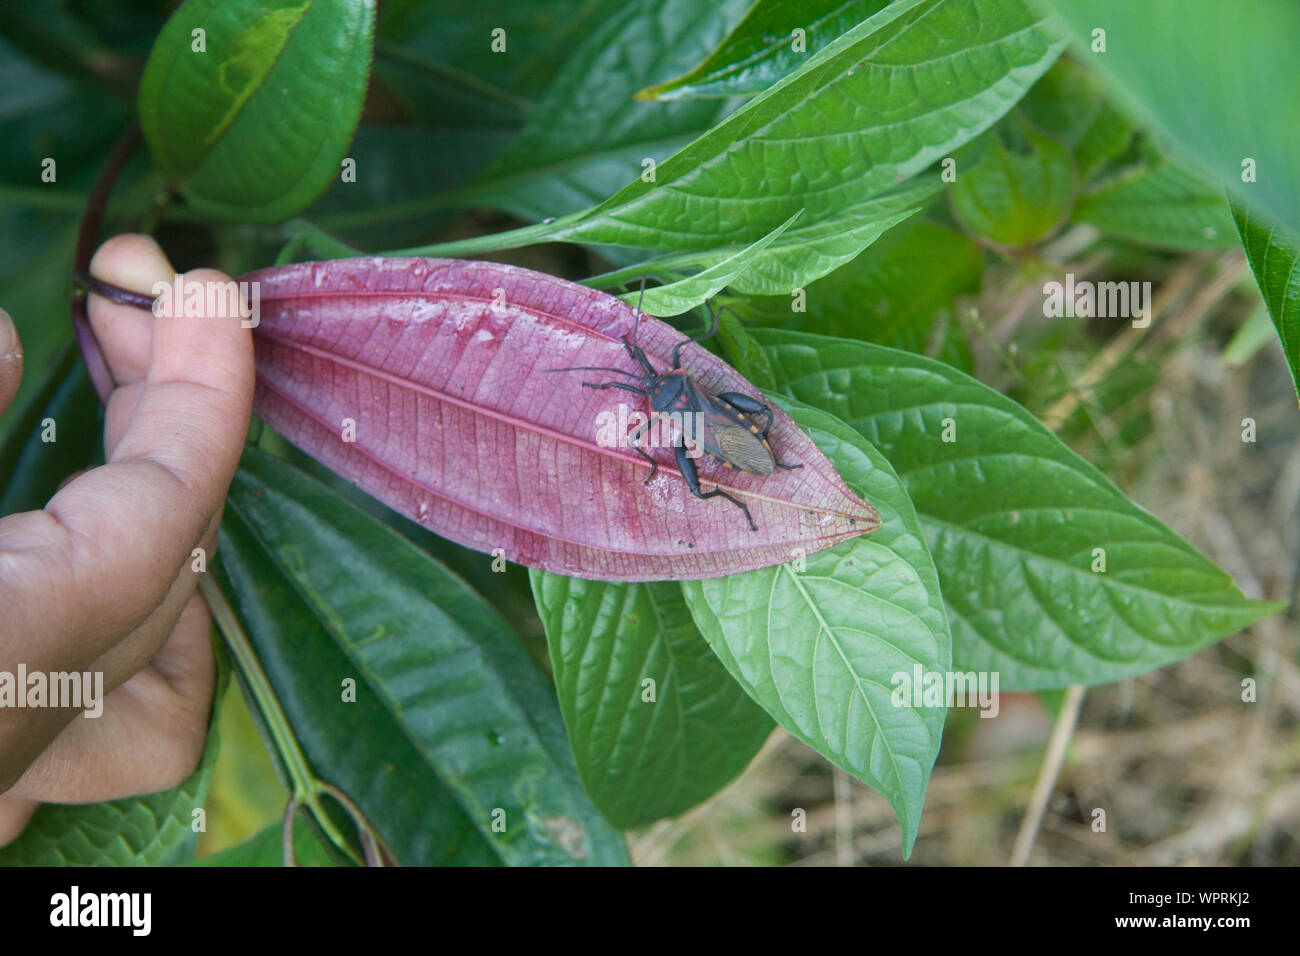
(101, 579)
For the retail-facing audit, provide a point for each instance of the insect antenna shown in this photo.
(592, 368)
(636, 321)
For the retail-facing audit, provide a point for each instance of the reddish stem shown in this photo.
(91, 353)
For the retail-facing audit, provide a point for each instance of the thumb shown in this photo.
(11, 361)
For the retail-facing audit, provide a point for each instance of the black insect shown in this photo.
(726, 431)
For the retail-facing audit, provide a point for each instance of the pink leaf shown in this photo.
(440, 364)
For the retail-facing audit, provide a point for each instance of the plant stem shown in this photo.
(1057, 746)
(307, 788)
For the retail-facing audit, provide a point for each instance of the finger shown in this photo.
(15, 812)
(148, 641)
(11, 361)
(136, 263)
(105, 551)
(150, 735)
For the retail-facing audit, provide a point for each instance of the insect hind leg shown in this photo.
(752, 406)
(687, 467)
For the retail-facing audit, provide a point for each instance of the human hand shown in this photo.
(100, 580)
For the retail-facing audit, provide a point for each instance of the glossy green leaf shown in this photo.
(644, 750)
(1162, 205)
(1016, 521)
(255, 127)
(764, 47)
(1217, 79)
(685, 294)
(588, 136)
(901, 293)
(452, 722)
(821, 647)
(745, 355)
(32, 468)
(805, 251)
(1021, 188)
(152, 830)
(1274, 257)
(361, 749)
(875, 107)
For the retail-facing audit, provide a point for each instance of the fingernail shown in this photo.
(9, 348)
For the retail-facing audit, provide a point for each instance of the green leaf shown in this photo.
(588, 136)
(1163, 205)
(803, 252)
(255, 127)
(466, 80)
(45, 117)
(1216, 79)
(901, 293)
(764, 47)
(1275, 259)
(32, 468)
(1020, 189)
(685, 294)
(643, 759)
(445, 694)
(152, 830)
(875, 107)
(744, 354)
(403, 173)
(1013, 518)
(822, 648)
(362, 749)
(266, 848)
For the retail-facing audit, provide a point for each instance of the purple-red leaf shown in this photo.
(423, 381)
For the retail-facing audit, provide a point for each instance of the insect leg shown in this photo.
(636, 437)
(715, 317)
(752, 406)
(687, 467)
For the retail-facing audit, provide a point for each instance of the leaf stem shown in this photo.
(307, 788)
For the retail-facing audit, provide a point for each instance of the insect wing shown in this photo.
(729, 435)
